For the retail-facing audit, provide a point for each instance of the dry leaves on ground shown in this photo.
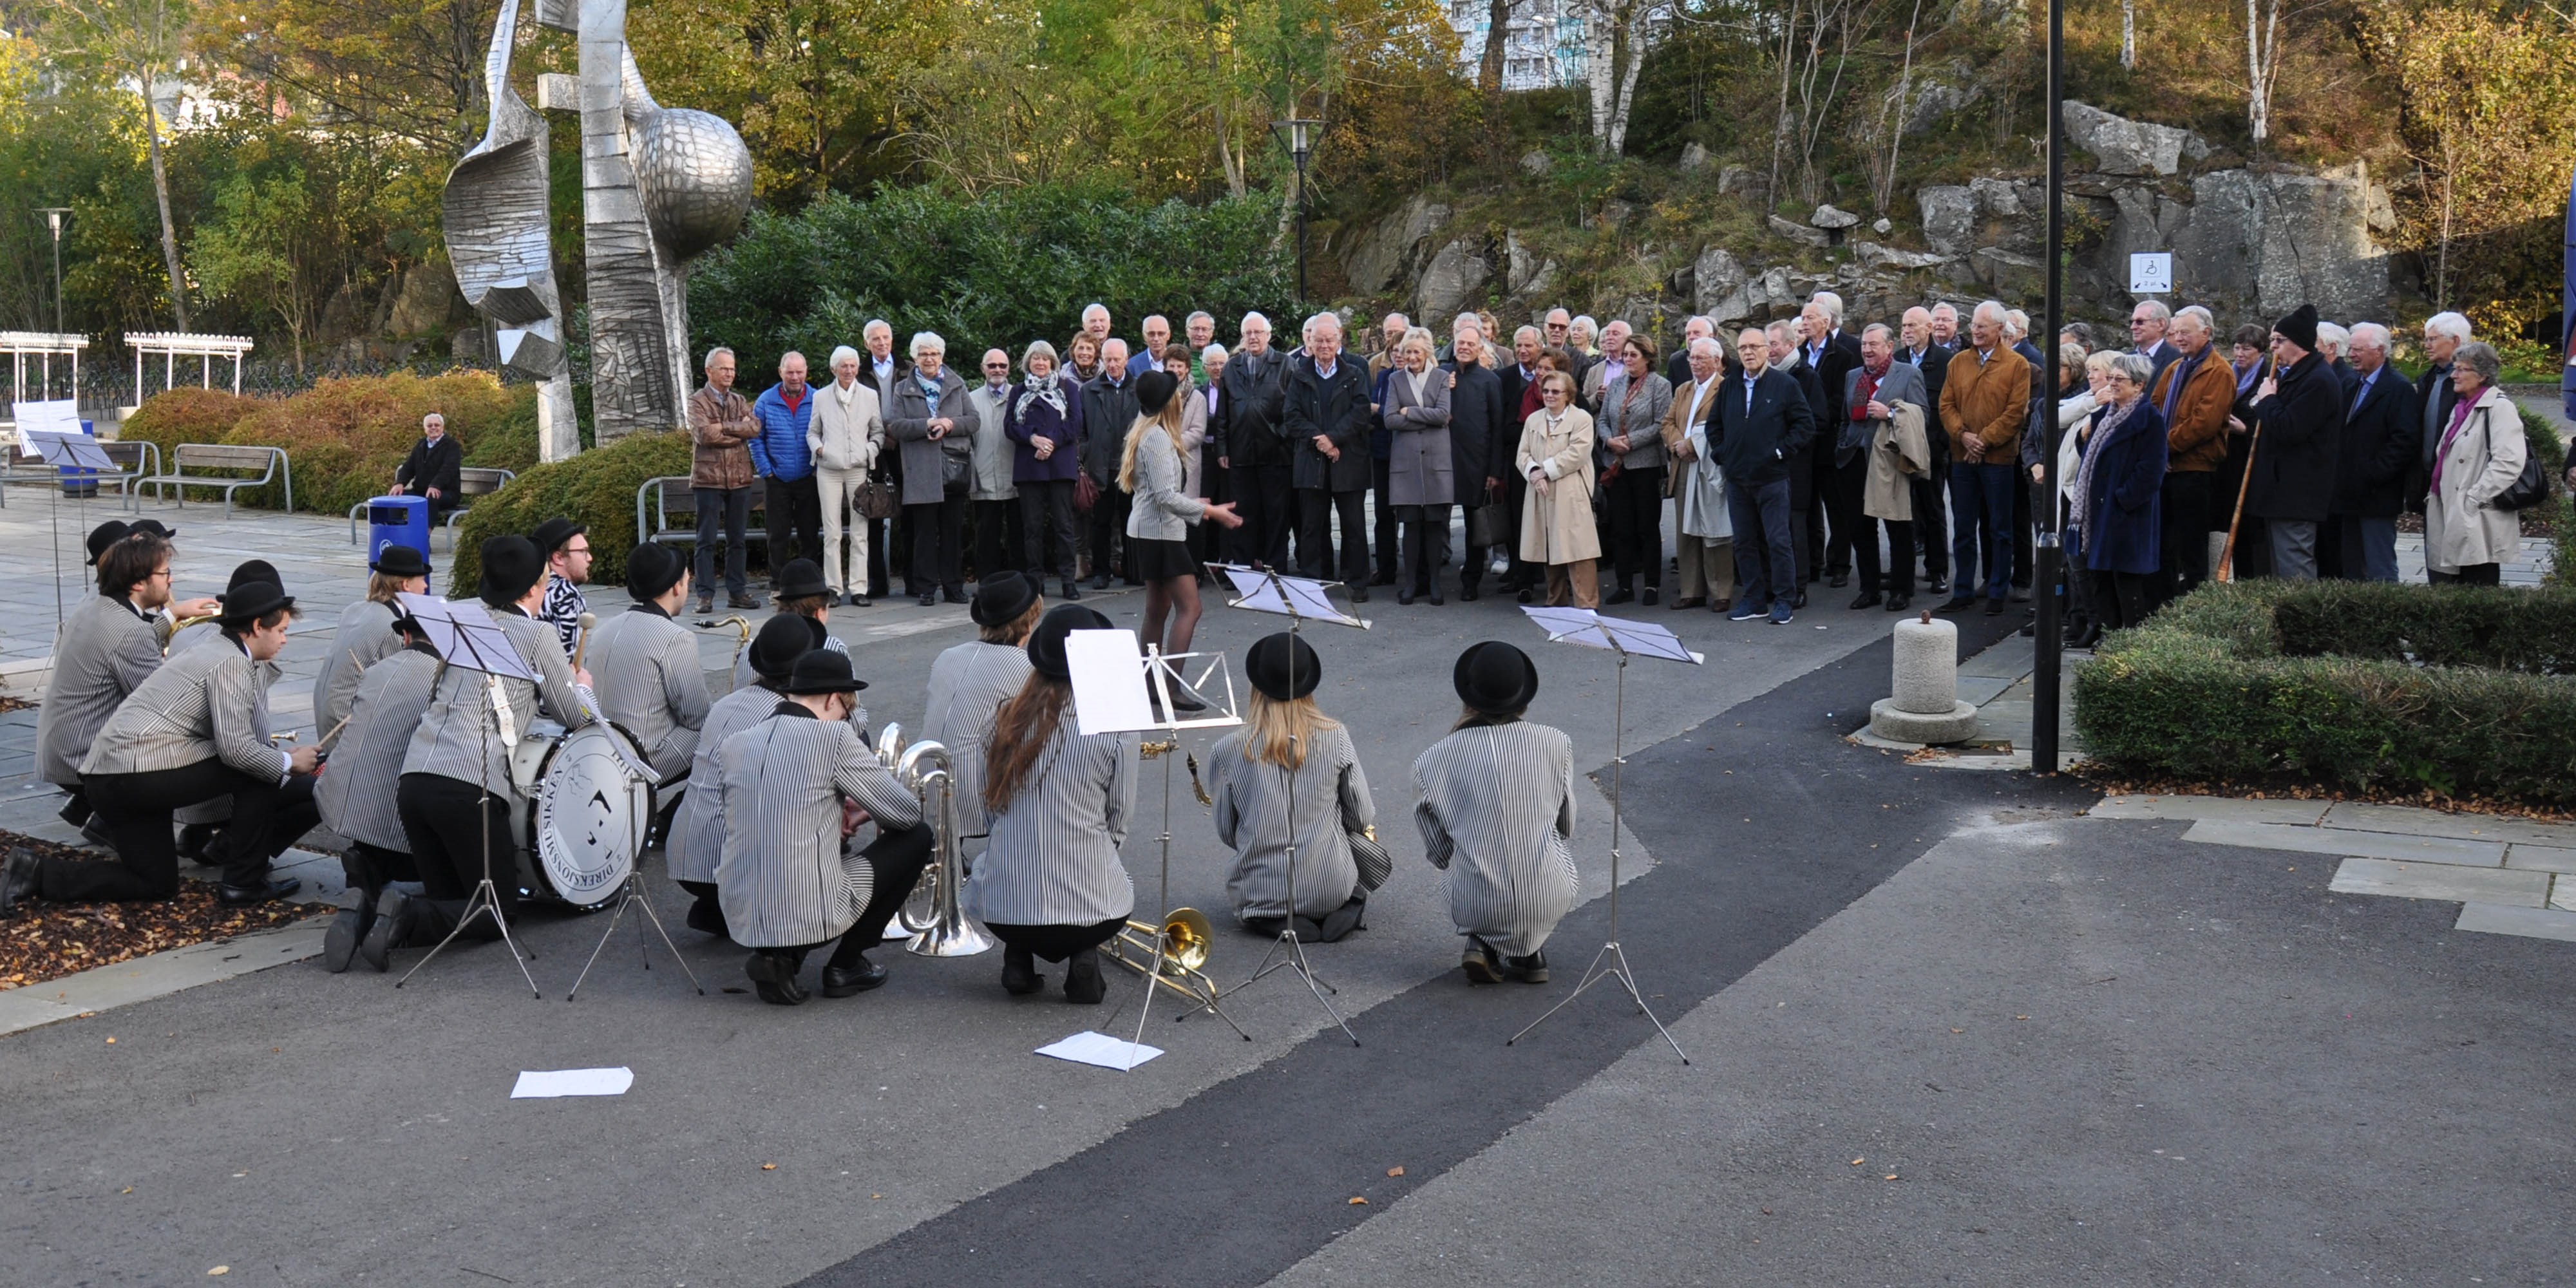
(9, 704)
(43, 941)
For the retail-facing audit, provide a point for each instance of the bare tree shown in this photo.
(141, 40)
(2129, 34)
(2262, 62)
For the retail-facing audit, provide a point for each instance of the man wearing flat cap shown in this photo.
(187, 735)
(971, 681)
(796, 786)
(2298, 433)
(695, 842)
(650, 683)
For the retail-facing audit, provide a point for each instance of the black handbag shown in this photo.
(877, 498)
(1484, 525)
(2531, 487)
(956, 470)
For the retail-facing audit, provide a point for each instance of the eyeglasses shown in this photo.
(997, 366)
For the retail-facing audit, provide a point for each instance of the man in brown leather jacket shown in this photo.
(721, 428)
(2194, 393)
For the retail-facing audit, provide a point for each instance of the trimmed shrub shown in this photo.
(345, 437)
(2455, 689)
(596, 488)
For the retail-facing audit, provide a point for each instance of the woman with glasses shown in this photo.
(1556, 513)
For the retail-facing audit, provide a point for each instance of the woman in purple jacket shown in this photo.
(1043, 416)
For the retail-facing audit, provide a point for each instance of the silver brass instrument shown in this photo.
(915, 915)
(946, 931)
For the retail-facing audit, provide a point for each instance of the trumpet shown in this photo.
(943, 929)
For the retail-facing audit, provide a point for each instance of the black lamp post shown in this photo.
(54, 221)
(2047, 648)
(1298, 135)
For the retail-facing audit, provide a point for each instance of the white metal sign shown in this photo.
(2151, 272)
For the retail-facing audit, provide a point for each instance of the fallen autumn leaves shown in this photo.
(44, 941)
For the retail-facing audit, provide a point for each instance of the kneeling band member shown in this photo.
(187, 735)
(1497, 812)
(366, 633)
(358, 788)
(456, 788)
(1057, 799)
(802, 594)
(650, 682)
(107, 646)
(796, 786)
(200, 823)
(1288, 752)
(696, 842)
(969, 683)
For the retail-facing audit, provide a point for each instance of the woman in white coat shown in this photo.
(2479, 453)
(845, 434)
(1497, 813)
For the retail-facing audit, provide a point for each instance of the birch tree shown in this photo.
(2262, 62)
(141, 40)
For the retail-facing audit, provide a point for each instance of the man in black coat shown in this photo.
(1517, 376)
(1759, 431)
(1327, 414)
(2298, 437)
(1256, 450)
(879, 369)
(1835, 354)
(1806, 524)
(2382, 423)
(1108, 411)
(433, 467)
(1932, 491)
(1476, 425)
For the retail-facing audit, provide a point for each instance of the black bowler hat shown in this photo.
(1282, 667)
(249, 572)
(153, 526)
(1001, 598)
(511, 566)
(1495, 678)
(551, 535)
(1154, 391)
(800, 578)
(247, 602)
(105, 536)
(823, 671)
(652, 569)
(782, 640)
(400, 561)
(2300, 328)
(1046, 643)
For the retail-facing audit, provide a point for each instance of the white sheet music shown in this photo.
(1108, 682)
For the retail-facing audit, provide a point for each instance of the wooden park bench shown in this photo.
(131, 464)
(269, 461)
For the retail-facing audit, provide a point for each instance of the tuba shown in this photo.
(942, 929)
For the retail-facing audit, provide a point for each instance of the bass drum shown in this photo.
(583, 828)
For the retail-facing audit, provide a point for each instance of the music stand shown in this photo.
(1589, 629)
(632, 891)
(1110, 695)
(466, 636)
(1299, 598)
(64, 450)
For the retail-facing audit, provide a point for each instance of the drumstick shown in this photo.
(581, 643)
(324, 742)
(2227, 553)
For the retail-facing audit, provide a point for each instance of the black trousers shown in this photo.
(135, 810)
(1055, 943)
(1525, 573)
(2123, 599)
(450, 823)
(938, 529)
(878, 536)
(1635, 501)
(2187, 502)
(1266, 504)
(1426, 547)
(897, 858)
(1897, 577)
(1932, 518)
(726, 510)
(2021, 532)
(369, 867)
(1204, 540)
(1315, 511)
(1471, 562)
(1842, 505)
(1000, 537)
(1824, 552)
(1806, 525)
(795, 521)
(2485, 574)
(1046, 510)
(1383, 512)
(1109, 531)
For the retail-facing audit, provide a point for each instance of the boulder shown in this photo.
(1874, 255)
(1949, 217)
(1694, 157)
(427, 301)
(1717, 285)
(1739, 181)
(1833, 218)
(1452, 278)
(1883, 226)
(1535, 162)
(2271, 240)
(2123, 146)
(1394, 246)
(2008, 273)
(1800, 233)
(1523, 272)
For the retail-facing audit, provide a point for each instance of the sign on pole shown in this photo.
(2151, 272)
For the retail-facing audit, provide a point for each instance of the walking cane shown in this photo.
(2224, 572)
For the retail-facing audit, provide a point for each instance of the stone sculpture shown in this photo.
(659, 186)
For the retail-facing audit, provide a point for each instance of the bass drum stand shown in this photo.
(486, 899)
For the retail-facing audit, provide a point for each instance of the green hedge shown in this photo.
(344, 437)
(597, 488)
(2458, 689)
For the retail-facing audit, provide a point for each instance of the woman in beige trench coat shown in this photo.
(1556, 514)
(2478, 454)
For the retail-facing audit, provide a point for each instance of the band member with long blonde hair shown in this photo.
(1290, 754)
(1155, 468)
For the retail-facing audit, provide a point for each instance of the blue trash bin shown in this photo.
(397, 521)
(80, 482)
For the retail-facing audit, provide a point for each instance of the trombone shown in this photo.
(1190, 938)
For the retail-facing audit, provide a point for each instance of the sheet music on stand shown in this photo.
(53, 416)
(1301, 598)
(67, 451)
(1591, 630)
(465, 635)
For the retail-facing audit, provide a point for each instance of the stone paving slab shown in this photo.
(2441, 881)
(2326, 840)
(2008, 660)
(2221, 808)
(2563, 894)
(158, 975)
(2535, 923)
(2412, 821)
(2540, 858)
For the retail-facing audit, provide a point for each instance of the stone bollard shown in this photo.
(1925, 707)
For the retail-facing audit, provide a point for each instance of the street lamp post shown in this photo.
(54, 221)
(1298, 133)
(2047, 648)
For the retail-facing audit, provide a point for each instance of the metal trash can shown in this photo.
(397, 521)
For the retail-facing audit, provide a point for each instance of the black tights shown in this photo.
(1055, 943)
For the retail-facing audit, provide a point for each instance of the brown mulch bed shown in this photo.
(2114, 784)
(43, 941)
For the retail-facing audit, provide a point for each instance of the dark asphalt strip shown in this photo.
(1764, 823)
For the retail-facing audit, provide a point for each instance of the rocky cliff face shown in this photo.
(2249, 243)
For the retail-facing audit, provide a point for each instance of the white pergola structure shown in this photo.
(38, 349)
(170, 346)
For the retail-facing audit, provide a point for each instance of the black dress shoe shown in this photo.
(927, 601)
(18, 880)
(1020, 972)
(953, 595)
(1466, 595)
(233, 896)
(1994, 608)
(1100, 581)
(1383, 579)
(340, 942)
(1955, 605)
(1082, 982)
(1899, 603)
(1838, 580)
(745, 601)
(861, 601)
(1404, 595)
(1072, 591)
(1436, 600)
(1865, 599)
(1690, 601)
(1622, 595)
(1652, 595)
(1800, 601)
(774, 978)
(396, 915)
(75, 810)
(1266, 927)
(1937, 586)
(1482, 964)
(1720, 605)
(844, 981)
(1359, 594)
(707, 917)
(193, 840)
(1528, 970)
(1526, 597)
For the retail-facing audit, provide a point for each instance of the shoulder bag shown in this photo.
(2531, 487)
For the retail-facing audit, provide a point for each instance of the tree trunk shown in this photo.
(1904, 87)
(1489, 71)
(161, 193)
(1600, 57)
(1634, 50)
(2129, 34)
(2262, 63)
(1780, 119)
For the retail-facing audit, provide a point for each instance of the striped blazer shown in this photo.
(787, 878)
(356, 790)
(968, 685)
(1497, 811)
(200, 706)
(645, 667)
(220, 809)
(104, 651)
(1332, 800)
(1162, 510)
(365, 637)
(744, 677)
(460, 736)
(1052, 859)
(696, 840)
